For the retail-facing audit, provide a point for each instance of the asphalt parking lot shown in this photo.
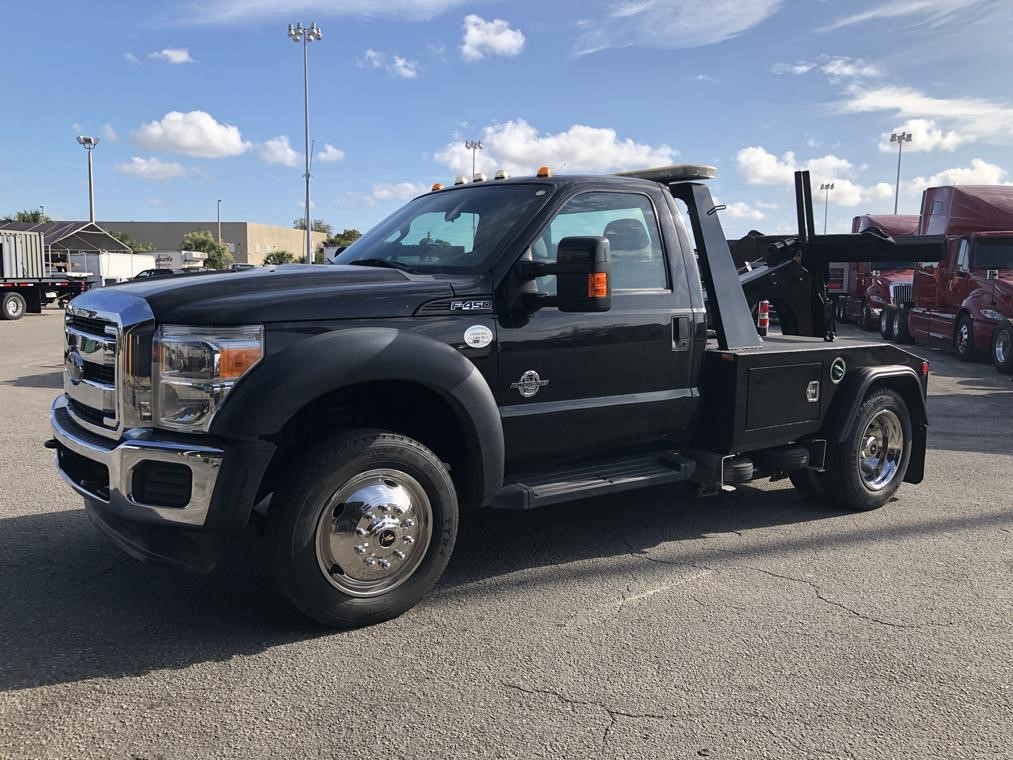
(755, 624)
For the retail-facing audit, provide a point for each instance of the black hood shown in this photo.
(288, 293)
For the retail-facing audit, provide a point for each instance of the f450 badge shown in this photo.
(471, 305)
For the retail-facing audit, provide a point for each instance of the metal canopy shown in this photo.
(71, 237)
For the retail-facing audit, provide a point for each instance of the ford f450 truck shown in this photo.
(504, 344)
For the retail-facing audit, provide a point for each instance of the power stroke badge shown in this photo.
(529, 384)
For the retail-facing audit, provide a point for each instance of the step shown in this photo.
(539, 489)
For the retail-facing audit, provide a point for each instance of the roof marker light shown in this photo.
(461, 181)
(436, 186)
(544, 171)
(479, 177)
(502, 174)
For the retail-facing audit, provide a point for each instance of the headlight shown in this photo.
(196, 367)
(992, 314)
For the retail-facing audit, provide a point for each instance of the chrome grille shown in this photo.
(902, 294)
(90, 370)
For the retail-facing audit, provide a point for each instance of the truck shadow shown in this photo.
(52, 380)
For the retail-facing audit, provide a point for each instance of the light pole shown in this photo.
(900, 138)
(306, 35)
(219, 221)
(826, 203)
(89, 144)
(474, 146)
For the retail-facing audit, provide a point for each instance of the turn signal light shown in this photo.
(436, 186)
(925, 369)
(598, 285)
(234, 362)
(763, 318)
(544, 171)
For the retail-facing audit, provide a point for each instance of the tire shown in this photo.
(886, 322)
(868, 320)
(842, 312)
(963, 340)
(809, 483)
(864, 471)
(782, 458)
(738, 470)
(1002, 347)
(13, 306)
(401, 492)
(901, 332)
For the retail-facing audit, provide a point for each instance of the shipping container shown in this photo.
(22, 254)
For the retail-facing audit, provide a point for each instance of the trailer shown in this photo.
(109, 267)
(26, 285)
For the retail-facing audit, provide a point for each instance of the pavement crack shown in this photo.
(612, 713)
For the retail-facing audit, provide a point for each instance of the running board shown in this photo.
(539, 489)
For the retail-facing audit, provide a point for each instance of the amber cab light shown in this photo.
(544, 171)
(436, 186)
(598, 285)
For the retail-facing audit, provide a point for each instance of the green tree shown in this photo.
(131, 243)
(344, 238)
(318, 257)
(28, 216)
(218, 256)
(279, 257)
(319, 225)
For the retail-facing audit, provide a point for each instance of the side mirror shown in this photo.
(583, 276)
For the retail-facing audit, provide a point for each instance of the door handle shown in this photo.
(680, 333)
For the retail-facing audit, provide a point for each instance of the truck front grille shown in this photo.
(90, 372)
(902, 294)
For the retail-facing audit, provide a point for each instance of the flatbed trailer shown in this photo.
(25, 286)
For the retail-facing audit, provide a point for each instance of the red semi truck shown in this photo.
(966, 299)
(865, 290)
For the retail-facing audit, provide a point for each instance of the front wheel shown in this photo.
(868, 318)
(865, 470)
(963, 340)
(363, 530)
(901, 331)
(886, 322)
(1002, 348)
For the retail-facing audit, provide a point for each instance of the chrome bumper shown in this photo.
(121, 457)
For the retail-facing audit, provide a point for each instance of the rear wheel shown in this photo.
(886, 322)
(901, 333)
(866, 469)
(963, 339)
(868, 318)
(363, 530)
(12, 306)
(1002, 347)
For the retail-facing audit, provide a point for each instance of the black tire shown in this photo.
(849, 482)
(13, 306)
(886, 322)
(782, 458)
(295, 519)
(869, 322)
(809, 483)
(738, 470)
(901, 331)
(963, 340)
(1002, 347)
(842, 311)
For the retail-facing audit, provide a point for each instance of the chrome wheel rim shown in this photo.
(13, 307)
(881, 451)
(963, 338)
(883, 321)
(374, 532)
(1002, 347)
(896, 324)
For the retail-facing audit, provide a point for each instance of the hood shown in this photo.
(896, 276)
(1004, 286)
(287, 293)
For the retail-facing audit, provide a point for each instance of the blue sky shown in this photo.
(196, 101)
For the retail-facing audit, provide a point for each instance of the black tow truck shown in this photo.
(503, 344)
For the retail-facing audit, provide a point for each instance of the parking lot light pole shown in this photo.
(298, 33)
(219, 221)
(827, 186)
(900, 138)
(89, 144)
(474, 146)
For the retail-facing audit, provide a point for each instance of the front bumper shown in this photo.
(224, 479)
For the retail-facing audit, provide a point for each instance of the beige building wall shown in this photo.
(249, 242)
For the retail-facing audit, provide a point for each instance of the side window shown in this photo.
(629, 223)
(963, 260)
(937, 208)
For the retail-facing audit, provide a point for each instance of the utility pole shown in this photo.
(900, 138)
(826, 203)
(474, 146)
(219, 221)
(306, 35)
(89, 144)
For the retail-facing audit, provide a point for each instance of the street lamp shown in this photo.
(219, 221)
(89, 144)
(306, 35)
(900, 138)
(474, 146)
(826, 203)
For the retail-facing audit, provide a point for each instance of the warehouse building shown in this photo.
(249, 242)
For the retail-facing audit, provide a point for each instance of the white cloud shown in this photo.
(131, 58)
(331, 154)
(387, 191)
(796, 69)
(519, 148)
(672, 25)
(980, 172)
(257, 10)
(277, 150)
(703, 78)
(152, 168)
(195, 133)
(921, 12)
(108, 133)
(974, 118)
(394, 65)
(834, 67)
(926, 136)
(153, 201)
(496, 37)
(172, 55)
(740, 210)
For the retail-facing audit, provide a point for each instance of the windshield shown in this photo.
(993, 254)
(455, 231)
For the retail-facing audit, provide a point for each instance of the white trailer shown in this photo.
(180, 259)
(106, 268)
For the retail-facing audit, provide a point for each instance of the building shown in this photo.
(249, 242)
(61, 239)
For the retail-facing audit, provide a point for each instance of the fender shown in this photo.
(274, 392)
(854, 388)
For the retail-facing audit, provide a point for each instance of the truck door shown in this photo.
(958, 286)
(574, 383)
